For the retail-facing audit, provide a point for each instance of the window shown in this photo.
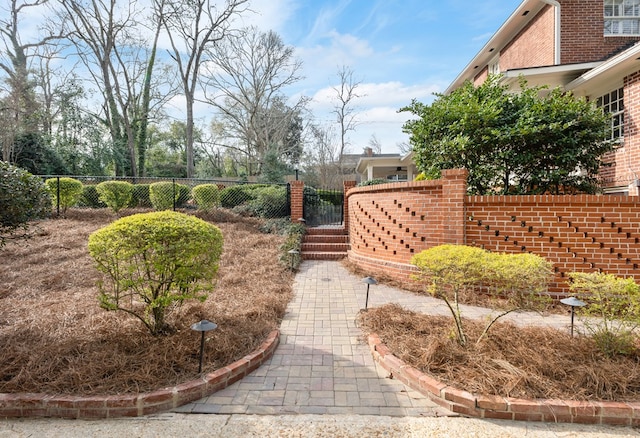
(613, 104)
(622, 17)
(494, 65)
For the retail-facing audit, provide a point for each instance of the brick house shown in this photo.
(588, 47)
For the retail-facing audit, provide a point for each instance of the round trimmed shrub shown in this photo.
(206, 196)
(153, 261)
(23, 197)
(90, 197)
(70, 191)
(140, 196)
(162, 194)
(115, 194)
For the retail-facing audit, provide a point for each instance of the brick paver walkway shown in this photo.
(322, 365)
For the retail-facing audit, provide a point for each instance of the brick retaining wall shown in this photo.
(134, 405)
(504, 408)
(389, 223)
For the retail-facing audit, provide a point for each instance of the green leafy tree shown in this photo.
(153, 261)
(511, 143)
(453, 271)
(23, 197)
(115, 194)
(615, 304)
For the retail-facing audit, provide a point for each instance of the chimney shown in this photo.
(368, 152)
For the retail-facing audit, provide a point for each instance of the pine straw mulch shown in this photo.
(54, 337)
(512, 362)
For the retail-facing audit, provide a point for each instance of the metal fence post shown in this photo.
(58, 196)
(174, 193)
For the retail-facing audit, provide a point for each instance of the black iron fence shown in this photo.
(323, 206)
(119, 193)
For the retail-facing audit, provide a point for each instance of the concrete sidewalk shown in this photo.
(323, 374)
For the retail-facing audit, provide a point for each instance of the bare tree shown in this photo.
(106, 36)
(375, 144)
(194, 27)
(19, 109)
(249, 74)
(344, 110)
(322, 156)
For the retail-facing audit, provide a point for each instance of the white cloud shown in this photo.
(271, 15)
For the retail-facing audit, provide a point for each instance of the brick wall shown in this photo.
(297, 200)
(576, 233)
(582, 33)
(534, 45)
(390, 223)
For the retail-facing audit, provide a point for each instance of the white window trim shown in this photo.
(633, 17)
(614, 107)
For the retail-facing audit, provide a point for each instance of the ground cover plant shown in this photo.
(55, 338)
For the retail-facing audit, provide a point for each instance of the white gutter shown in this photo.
(555, 4)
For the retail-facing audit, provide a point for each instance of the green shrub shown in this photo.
(90, 197)
(237, 195)
(163, 195)
(270, 201)
(293, 242)
(333, 197)
(70, 191)
(373, 182)
(450, 271)
(140, 196)
(184, 195)
(23, 197)
(115, 194)
(206, 196)
(615, 302)
(152, 261)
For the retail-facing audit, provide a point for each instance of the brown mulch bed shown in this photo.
(512, 362)
(54, 337)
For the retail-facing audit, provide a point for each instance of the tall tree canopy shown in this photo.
(530, 142)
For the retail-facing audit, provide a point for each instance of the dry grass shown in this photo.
(512, 361)
(55, 338)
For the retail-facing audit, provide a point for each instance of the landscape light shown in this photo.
(369, 282)
(573, 302)
(202, 327)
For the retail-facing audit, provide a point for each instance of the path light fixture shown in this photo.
(293, 253)
(573, 302)
(369, 282)
(202, 327)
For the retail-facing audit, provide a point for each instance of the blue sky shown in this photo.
(398, 49)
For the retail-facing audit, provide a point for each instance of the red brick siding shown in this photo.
(582, 33)
(534, 45)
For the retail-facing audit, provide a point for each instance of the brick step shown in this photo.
(337, 231)
(323, 255)
(322, 238)
(325, 247)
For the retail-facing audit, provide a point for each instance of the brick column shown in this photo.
(297, 200)
(345, 215)
(454, 192)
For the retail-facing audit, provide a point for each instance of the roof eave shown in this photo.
(509, 29)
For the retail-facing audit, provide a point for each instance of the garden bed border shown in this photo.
(135, 405)
(504, 408)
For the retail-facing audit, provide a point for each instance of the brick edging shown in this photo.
(506, 408)
(134, 405)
